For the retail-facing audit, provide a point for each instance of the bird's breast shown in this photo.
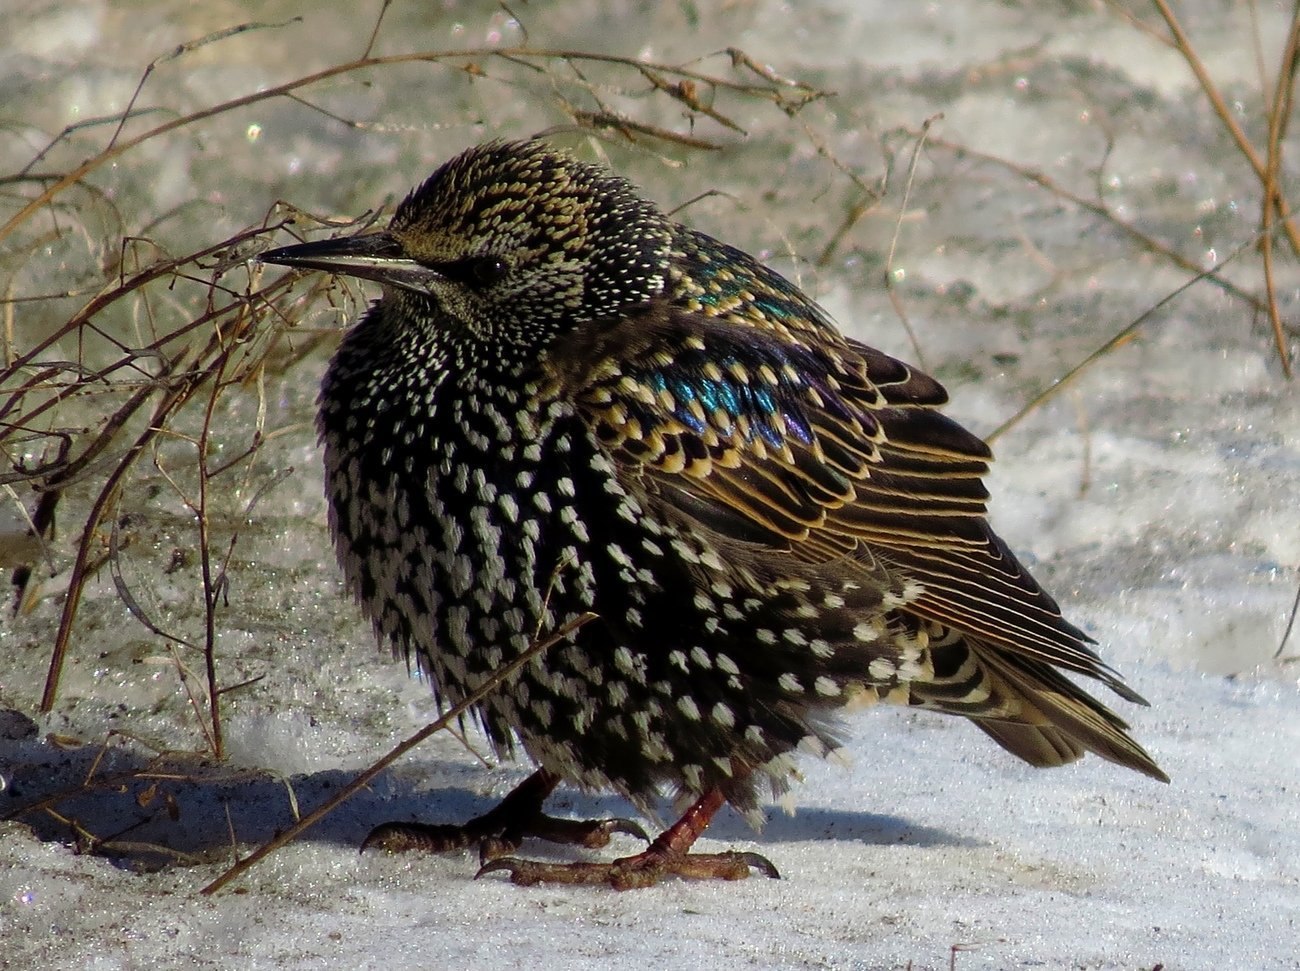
(458, 514)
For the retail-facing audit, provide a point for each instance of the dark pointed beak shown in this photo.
(370, 256)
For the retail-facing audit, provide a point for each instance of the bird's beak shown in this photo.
(370, 256)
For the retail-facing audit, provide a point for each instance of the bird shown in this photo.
(565, 402)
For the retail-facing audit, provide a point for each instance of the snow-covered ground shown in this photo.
(1157, 497)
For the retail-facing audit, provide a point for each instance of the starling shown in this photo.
(566, 402)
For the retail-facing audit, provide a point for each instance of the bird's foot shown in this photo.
(669, 855)
(503, 829)
(634, 872)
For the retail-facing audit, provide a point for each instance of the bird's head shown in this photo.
(509, 243)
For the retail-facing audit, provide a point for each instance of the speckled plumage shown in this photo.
(567, 402)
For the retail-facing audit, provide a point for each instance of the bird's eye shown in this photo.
(476, 271)
(489, 269)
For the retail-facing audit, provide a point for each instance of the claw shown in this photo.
(628, 827)
(762, 864)
(523, 873)
(592, 834)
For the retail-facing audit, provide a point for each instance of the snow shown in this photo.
(1156, 497)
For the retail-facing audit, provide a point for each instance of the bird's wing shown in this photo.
(823, 449)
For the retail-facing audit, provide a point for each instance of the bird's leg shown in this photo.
(668, 855)
(503, 828)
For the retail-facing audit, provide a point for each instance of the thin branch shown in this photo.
(1117, 340)
(786, 94)
(894, 300)
(502, 674)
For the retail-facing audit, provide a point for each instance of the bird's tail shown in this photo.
(1025, 705)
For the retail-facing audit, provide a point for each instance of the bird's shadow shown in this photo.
(147, 812)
